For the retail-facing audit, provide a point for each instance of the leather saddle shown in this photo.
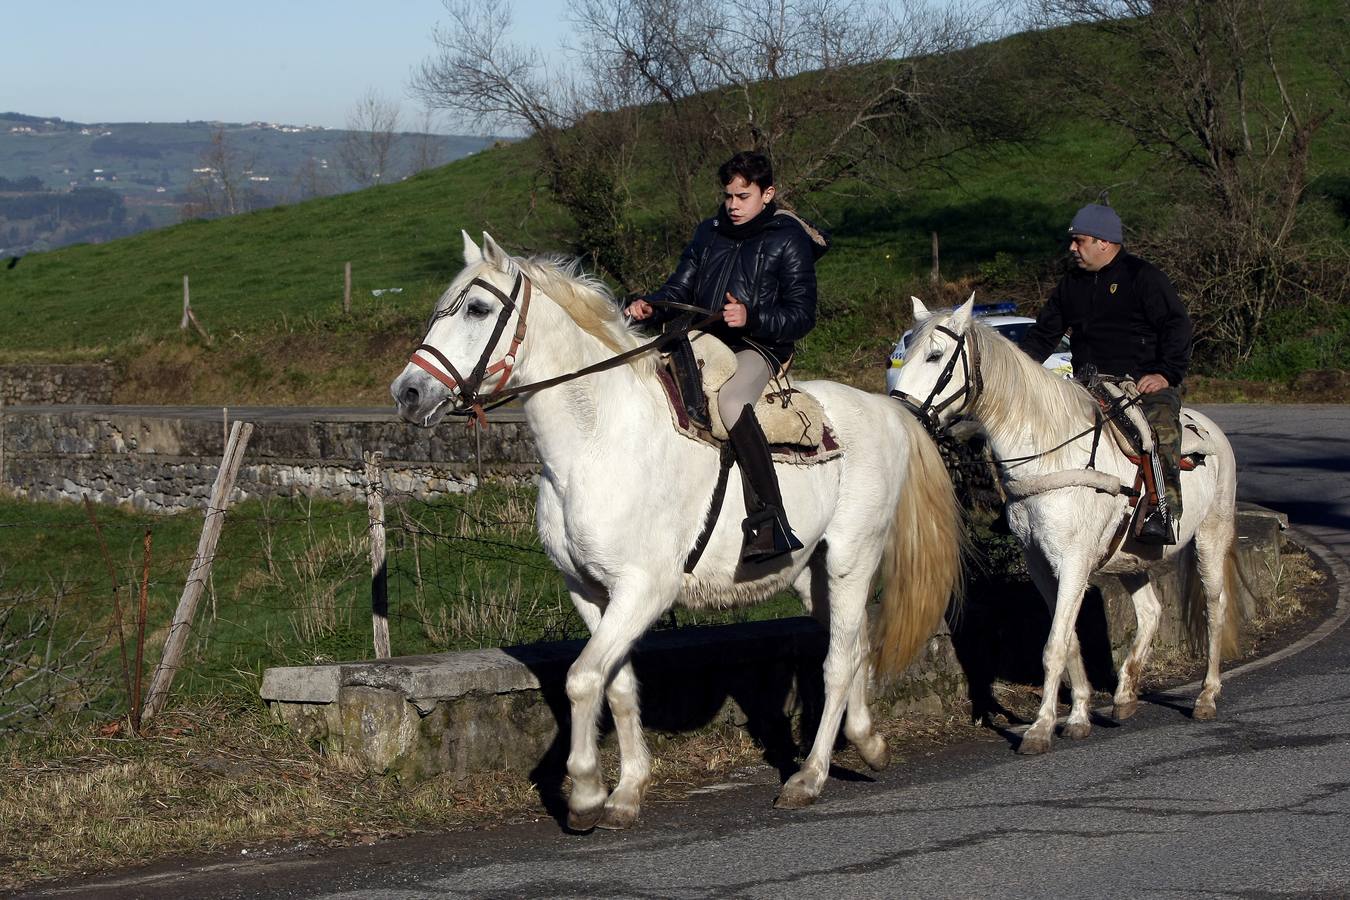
(1131, 429)
(793, 421)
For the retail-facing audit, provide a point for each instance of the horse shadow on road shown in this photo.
(690, 682)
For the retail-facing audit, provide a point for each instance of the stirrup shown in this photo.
(767, 536)
(1156, 529)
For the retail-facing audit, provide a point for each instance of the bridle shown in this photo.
(966, 353)
(470, 400)
(474, 403)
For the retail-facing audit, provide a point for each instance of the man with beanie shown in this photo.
(1125, 319)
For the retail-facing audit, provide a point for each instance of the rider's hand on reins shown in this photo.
(639, 309)
(734, 313)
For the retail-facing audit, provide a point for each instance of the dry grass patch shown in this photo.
(209, 779)
(205, 779)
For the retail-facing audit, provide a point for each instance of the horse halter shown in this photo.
(927, 412)
(470, 400)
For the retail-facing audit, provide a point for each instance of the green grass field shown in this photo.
(290, 585)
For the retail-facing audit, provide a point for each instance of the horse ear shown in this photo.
(495, 256)
(920, 311)
(960, 320)
(472, 253)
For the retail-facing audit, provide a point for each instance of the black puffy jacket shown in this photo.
(771, 271)
(1125, 318)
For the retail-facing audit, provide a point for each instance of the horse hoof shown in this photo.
(1033, 745)
(875, 753)
(584, 820)
(617, 818)
(792, 797)
(1076, 731)
(1122, 711)
(1205, 712)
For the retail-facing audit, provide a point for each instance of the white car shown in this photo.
(995, 315)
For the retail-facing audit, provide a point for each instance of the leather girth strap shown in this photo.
(726, 457)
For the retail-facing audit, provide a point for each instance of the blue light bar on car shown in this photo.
(1007, 307)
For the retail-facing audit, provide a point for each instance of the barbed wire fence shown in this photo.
(117, 612)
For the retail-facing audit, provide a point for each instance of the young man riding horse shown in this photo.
(1127, 321)
(760, 259)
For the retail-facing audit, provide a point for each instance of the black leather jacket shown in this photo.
(771, 271)
(1126, 319)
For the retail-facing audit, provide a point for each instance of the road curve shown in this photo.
(1254, 804)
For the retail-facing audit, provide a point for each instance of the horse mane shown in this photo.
(1035, 400)
(588, 302)
(1030, 400)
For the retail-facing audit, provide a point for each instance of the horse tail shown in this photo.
(921, 569)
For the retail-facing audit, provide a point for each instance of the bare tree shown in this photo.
(495, 85)
(819, 85)
(1203, 85)
(428, 150)
(219, 183)
(827, 88)
(369, 147)
(313, 179)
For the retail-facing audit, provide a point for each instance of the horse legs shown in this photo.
(1061, 649)
(603, 663)
(1147, 611)
(843, 669)
(1213, 542)
(621, 808)
(857, 717)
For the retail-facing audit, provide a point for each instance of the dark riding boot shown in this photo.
(767, 532)
(1163, 519)
(1163, 411)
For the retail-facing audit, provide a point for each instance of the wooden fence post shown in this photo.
(187, 306)
(936, 276)
(200, 571)
(347, 288)
(379, 573)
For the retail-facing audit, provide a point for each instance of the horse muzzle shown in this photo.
(421, 399)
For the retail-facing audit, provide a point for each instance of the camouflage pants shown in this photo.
(1163, 411)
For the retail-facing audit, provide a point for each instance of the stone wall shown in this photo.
(506, 709)
(56, 384)
(166, 458)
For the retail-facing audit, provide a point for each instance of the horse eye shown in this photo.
(478, 309)
(934, 356)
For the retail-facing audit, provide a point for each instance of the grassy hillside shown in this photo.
(268, 285)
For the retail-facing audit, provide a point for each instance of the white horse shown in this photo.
(1070, 518)
(623, 497)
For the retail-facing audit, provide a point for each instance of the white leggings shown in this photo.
(752, 374)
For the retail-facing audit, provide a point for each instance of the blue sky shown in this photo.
(301, 62)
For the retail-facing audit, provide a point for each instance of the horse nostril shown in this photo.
(409, 396)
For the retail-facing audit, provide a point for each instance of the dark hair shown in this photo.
(753, 167)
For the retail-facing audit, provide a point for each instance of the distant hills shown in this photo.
(67, 182)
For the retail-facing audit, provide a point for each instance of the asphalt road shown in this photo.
(1256, 804)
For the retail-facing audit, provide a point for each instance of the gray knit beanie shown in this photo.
(1096, 220)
